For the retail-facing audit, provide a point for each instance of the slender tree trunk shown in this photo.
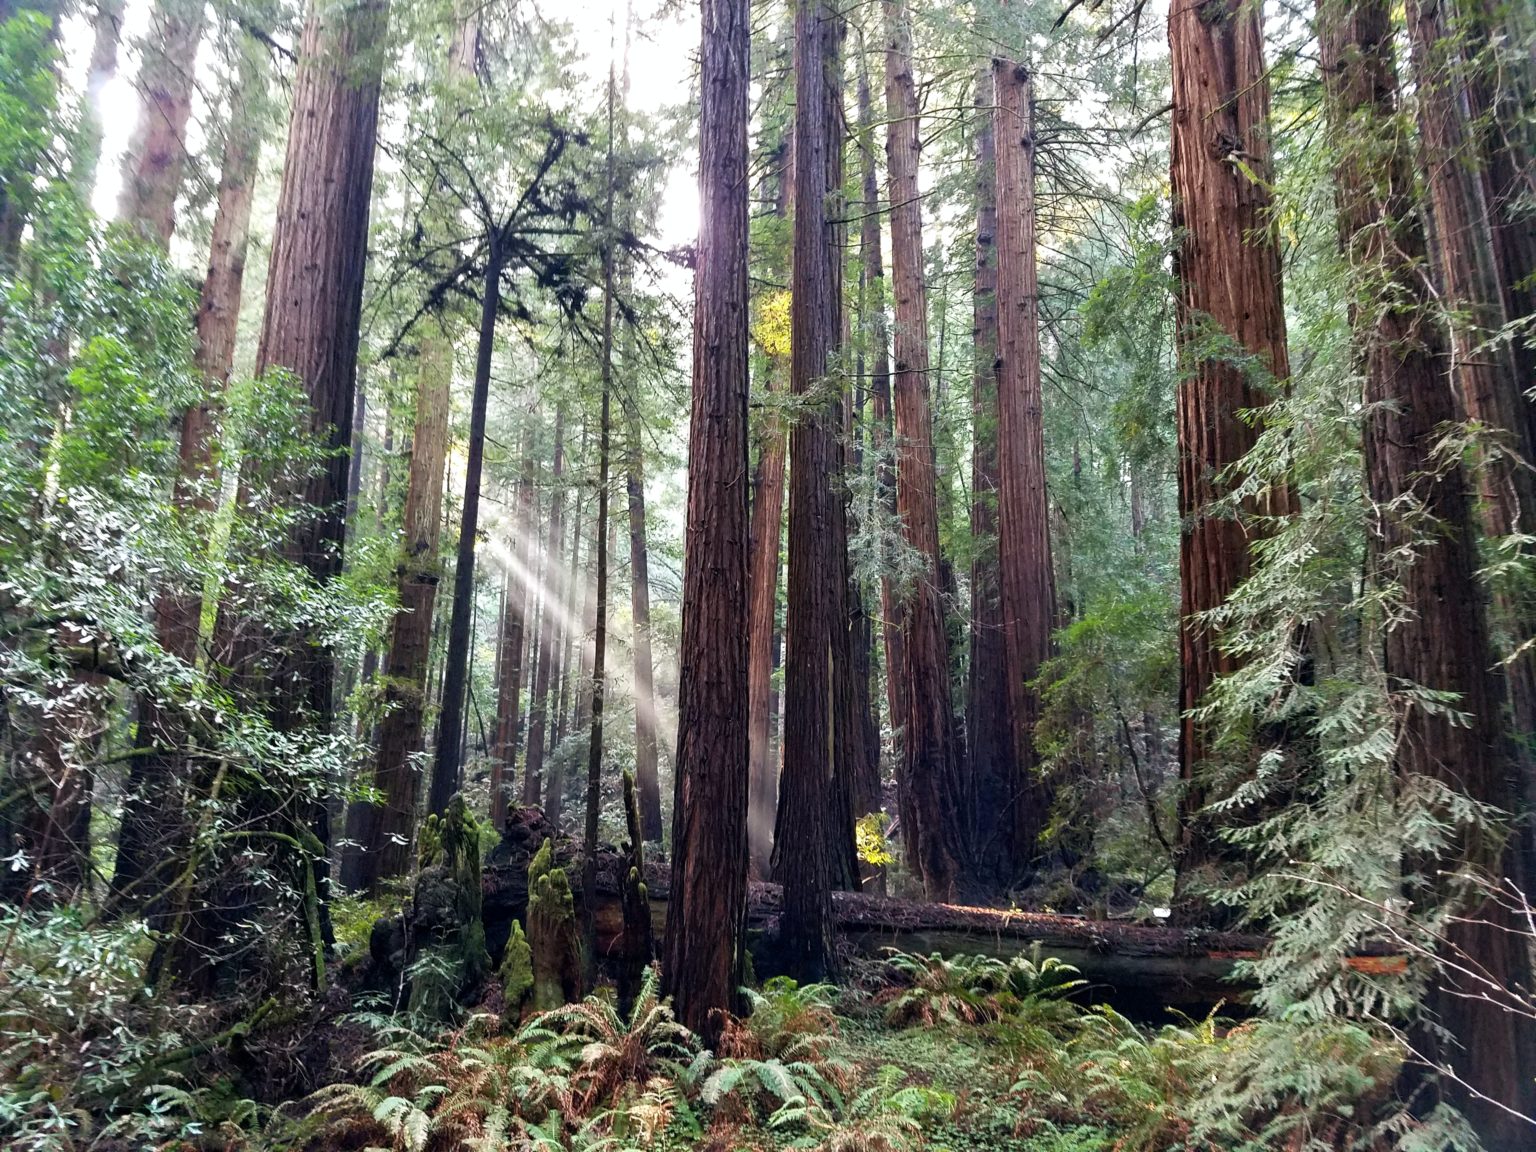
(702, 964)
(1228, 270)
(549, 608)
(152, 801)
(989, 736)
(881, 430)
(647, 781)
(106, 39)
(765, 562)
(383, 831)
(514, 646)
(600, 621)
(447, 765)
(928, 750)
(803, 858)
(1440, 642)
(1023, 514)
(156, 158)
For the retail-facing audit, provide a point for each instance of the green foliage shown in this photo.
(516, 973)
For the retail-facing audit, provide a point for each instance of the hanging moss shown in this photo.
(552, 937)
(516, 975)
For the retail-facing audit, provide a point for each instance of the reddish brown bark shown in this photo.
(702, 958)
(156, 158)
(1440, 642)
(382, 832)
(1023, 515)
(1229, 309)
(1483, 257)
(151, 801)
(989, 738)
(805, 860)
(929, 746)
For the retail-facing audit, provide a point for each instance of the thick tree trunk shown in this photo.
(1440, 642)
(1483, 258)
(152, 800)
(702, 963)
(549, 611)
(989, 738)
(1024, 544)
(383, 832)
(929, 759)
(156, 159)
(1228, 270)
(804, 860)
(311, 327)
(446, 764)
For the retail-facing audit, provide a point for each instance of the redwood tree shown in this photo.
(1440, 641)
(929, 746)
(1023, 513)
(1229, 315)
(804, 857)
(156, 159)
(702, 963)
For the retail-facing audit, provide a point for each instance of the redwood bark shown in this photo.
(1023, 515)
(989, 738)
(703, 952)
(1441, 641)
(881, 430)
(929, 760)
(1229, 290)
(804, 860)
(1482, 257)
(151, 800)
(312, 328)
(382, 832)
(156, 159)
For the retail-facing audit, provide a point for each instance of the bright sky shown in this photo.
(660, 70)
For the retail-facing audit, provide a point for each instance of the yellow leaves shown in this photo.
(771, 332)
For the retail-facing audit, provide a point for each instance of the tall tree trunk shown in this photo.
(446, 764)
(1482, 258)
(312, 328)
(808, 787)
(514, 644)
(647, 780)
(381, 833)
(156, 159)
(570, 623)
(1440, 642)
(549, 610)
(152, 802)
(106, 39)
(1023, 513)
(600, 536)
(928, 750)
(1228, 270)
(765, 562)
(881, 430)
(989, 736)
(702, 964)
